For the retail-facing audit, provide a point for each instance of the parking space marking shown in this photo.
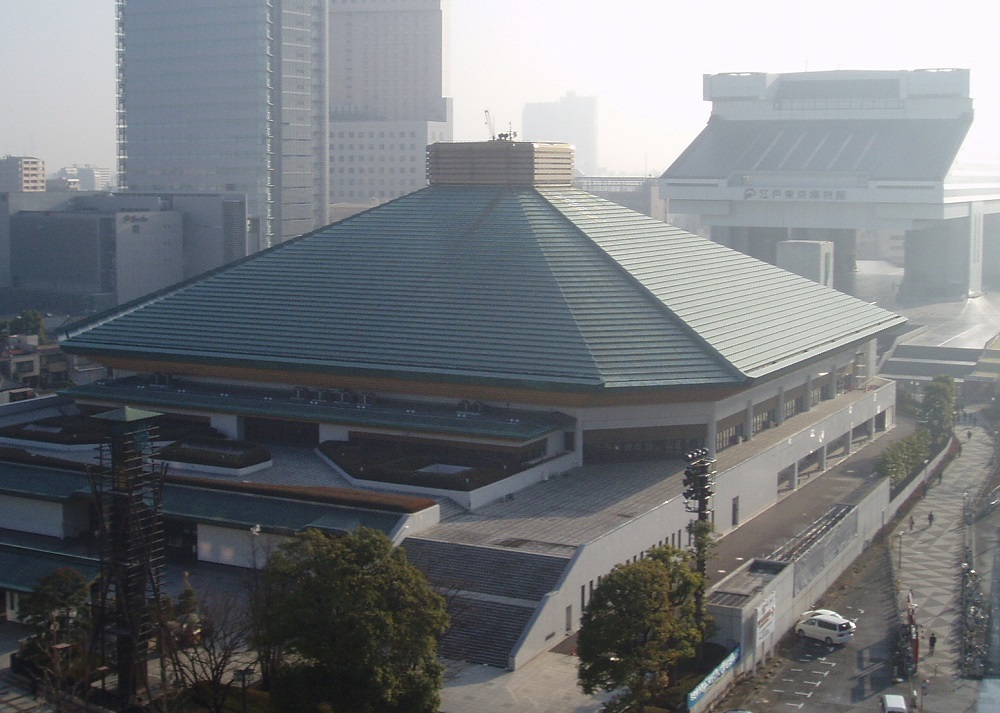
(795, 705)
(821, 673)
(807, 694)
(812, 683)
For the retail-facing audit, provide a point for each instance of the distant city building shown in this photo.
(838, 156)
(87, 177)
(62, 184)
(572, 119)
(245, 97)
(387, 75)
(22, 174)
(95, 251)
(32, 365)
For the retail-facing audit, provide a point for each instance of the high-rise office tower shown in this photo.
(238, 95)
(226, 95)
(387, 83)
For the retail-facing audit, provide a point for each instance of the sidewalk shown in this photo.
(928, 559)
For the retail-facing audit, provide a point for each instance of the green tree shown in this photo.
(28, 322)
(939, 410)
(358, 625)
(59, 609)
(901, 459)
(640, 623)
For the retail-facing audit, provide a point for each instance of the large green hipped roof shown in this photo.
(541, 287)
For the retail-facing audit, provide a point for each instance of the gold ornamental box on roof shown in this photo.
(500, 163)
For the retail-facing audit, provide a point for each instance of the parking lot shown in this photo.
(809, 675)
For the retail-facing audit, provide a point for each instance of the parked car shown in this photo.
(892, 703)
(824, 627)
(821, 612)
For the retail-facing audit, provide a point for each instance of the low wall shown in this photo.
(217, 470)
(31, 445)
(836, 551)
(469, 499)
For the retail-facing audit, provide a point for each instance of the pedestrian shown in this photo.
(930, 519)
(969, 435)
(911, 523)
(932, 641)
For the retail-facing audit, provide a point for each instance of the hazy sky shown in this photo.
(642, 59)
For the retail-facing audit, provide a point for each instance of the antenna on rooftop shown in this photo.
(510, 135)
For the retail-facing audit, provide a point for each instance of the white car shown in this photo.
(826, 628)
(821, 612)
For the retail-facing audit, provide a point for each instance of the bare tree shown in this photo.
(208, 646)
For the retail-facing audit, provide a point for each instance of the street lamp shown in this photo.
(900, 552)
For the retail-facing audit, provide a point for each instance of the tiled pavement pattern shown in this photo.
(932, 555)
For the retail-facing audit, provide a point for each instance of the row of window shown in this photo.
(381, 134)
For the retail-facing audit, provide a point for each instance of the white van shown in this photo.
(831, 629)
(891, 703)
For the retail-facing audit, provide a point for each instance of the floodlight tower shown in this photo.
(699, 482)
(128, 487)
(699, 487)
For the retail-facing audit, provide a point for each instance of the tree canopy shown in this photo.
(358, 626)
(58, 606)
(939, 410)
(639, 624)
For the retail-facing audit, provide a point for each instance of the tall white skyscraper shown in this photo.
(238, 96)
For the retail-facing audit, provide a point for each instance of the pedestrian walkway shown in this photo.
(17, 700)
(928, 555)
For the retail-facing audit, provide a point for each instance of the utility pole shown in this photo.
(699, 487)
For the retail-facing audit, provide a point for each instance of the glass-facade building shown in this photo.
(259, 96)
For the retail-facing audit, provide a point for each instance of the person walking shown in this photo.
(933, 642)
(969, 435)
(930, 519)
(911, 523)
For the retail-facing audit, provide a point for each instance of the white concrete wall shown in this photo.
(331, 432)
(474, 499)
(591, 561)
(38, 517)
(237, 547)
(228, 424)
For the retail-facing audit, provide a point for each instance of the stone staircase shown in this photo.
(491, 594)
